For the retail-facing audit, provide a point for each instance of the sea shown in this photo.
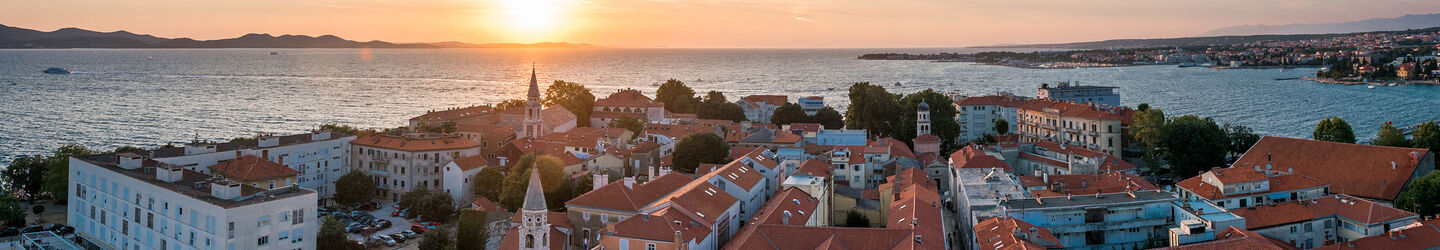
(153, 97)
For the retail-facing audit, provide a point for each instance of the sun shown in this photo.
(534, 18)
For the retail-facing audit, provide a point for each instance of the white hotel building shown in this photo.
(128, 201)
(320, 157)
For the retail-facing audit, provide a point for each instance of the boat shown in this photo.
(58, 71)
(897, 84)
(274, 53)
(1371, 86)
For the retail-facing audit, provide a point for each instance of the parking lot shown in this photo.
(398, 224)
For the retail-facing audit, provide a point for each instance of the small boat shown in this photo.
(1371, 86)
(897, 84)
(274, 53)
(58, 71)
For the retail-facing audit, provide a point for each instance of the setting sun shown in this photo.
(531, 19)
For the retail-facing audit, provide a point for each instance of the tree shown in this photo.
(26, 174)
(488, 183)
(1423, 197)
(1390, 136)
(716, 107)
(128, 149)
(1148, 126)
(507, 104)
(437, 239)
(714, 97)
(1142, 107)
(574, 97)
(677, 97)
(942, 118)
(470, 231)
(1241, 138)
(358, 188)
(855, 219)
(11, 212)
(57, 175)
(628, 123)
(552, 179)
(789, 113)
(433, 205)
(829, 118)
(1334, 129)
(873, 109)
(695, 149)
(332, 236)
(1192, 144)
(1426, 136)
(347, 129)
(1002, 127)
(445, 127)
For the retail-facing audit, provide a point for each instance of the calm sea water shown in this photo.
(123, 97)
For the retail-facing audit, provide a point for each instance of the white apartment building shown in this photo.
(977, 115)
(319, 156)
(128, 201)
(402, 162)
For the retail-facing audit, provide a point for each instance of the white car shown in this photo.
(381, 238)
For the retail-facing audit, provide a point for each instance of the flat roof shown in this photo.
(46, 240)
(193, 183)
(249, 143)
(1110, 199)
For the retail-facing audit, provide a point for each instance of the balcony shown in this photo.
(380, 159)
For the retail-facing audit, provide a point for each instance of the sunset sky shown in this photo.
(705, 23)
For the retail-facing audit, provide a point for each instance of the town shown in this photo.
(1068, 168)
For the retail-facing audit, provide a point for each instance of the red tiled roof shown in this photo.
(807, 127)
(773, 236)
(1001, 233)
(1109, 182)
(414, 144)
(972, 157)
(1077, 110)
(1419, 237)
(677, 131)
(814, 167)
(1360, 170)
(699, 198)
(792, 202)
(487, 129)
(553, 116)
(737, 152)
(1031, 181)
(658, 226)
(1238, 175)
(738, 173)
(627, 98)
(992, 100)
(917, 206)
(615, 196)
(1235, 238)
(782, 137)
(926, 138)
(471, 162)
(1042, 159)
(483, 204)
(1107, 162)
(251, 168)
(454, 114)
(1341, 205)
(1282, 182)
(769, 99)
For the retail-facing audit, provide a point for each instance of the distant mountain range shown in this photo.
(1368, 25)
(14, 37)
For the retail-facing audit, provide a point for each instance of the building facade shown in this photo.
(812, 104)
(1075, 93)
(320, 156)
(402, 162)
(1078, 125)
(977, 115)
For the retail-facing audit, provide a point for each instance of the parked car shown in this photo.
(32, 229)
(382, 224)
(400, 213)
(417, 228)
(385, 239)
(60, 229)
(430, 224)
(398, 237)
(354, 227)
(369, 230)
(409, 234)
(9, 231)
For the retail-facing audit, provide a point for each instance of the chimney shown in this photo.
(652, 172)
(169, 173)
(130, 160)
(238, 154)
(600, 180)
(679, 241)
(265, 154)
(630, 182)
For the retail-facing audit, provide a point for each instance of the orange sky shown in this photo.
(704, 23)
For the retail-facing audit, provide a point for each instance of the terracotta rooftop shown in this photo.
(415, 144)
(1422, 236)
(658, 226)
(1341, 205)
(1109, 182)
(1010, 233)
(973, 157)
(677, 131)
(1280, 182)
(736, 172)
(454, 114)
(807, 127)
(1078, 110)
(792, 203)
(471, 162)
(773, 236)
(617, 197)
(1359, 170)
(814, 167)
(700, 198)
(553, 116)
(1235, 238)
(251, 168)
(627, 98)
(769, 99)
(917, 207)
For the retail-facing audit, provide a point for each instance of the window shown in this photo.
(585, 215)
(264, 240)
(231, 230)
(299, 215)
(649, 246)
(263, 221)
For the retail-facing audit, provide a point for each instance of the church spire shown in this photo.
(534, 193)
(534, 85)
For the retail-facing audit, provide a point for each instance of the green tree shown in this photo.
(874, 110)
(1423, 197)
(128, 149)
(574, 97)
(11, 212)
(855, 219)
(26, 173)
(1142, 107)
(552, 179)
(677, 97)
(1426, 136)
(488, 183)
(628, 123)
(1241, 138)
(437, 239)
(789, 113)
(1148, 127)
(358, 188)
(695, 149)
(1192, 144)
(714, 97)
(942, 118)
(57, 174)
(433, 205)
(1334, 129)
(470, 231)
(332, 236)
(829, 118)
(445, 127)
(508, 104)
(1390, 136)
(347, 129)
(1002, 127)
(716, 107)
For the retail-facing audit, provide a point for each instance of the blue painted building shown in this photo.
(840, 137)
(812, 104)
(1103, 221)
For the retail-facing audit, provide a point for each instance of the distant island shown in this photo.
(15, 37)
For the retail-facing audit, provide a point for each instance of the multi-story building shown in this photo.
(1075, 93)
(912, 221)
(1239, 187)
(1420, 235)
(812, 104)
(1372, 172)
(320, 157)
(1324, 221)
(255, 172)
(609, 203)
(1098, 128)
(1102, 221)
(759, 108)
(459, 180)
(626, 103)
(1199, 221)
(709, 214)
(977, 115)
(813, 178)
(1046, 158)
(452, 115)
(130, 201)
(402, 162)
(998, 233)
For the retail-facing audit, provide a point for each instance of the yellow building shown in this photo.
(1100, 128)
